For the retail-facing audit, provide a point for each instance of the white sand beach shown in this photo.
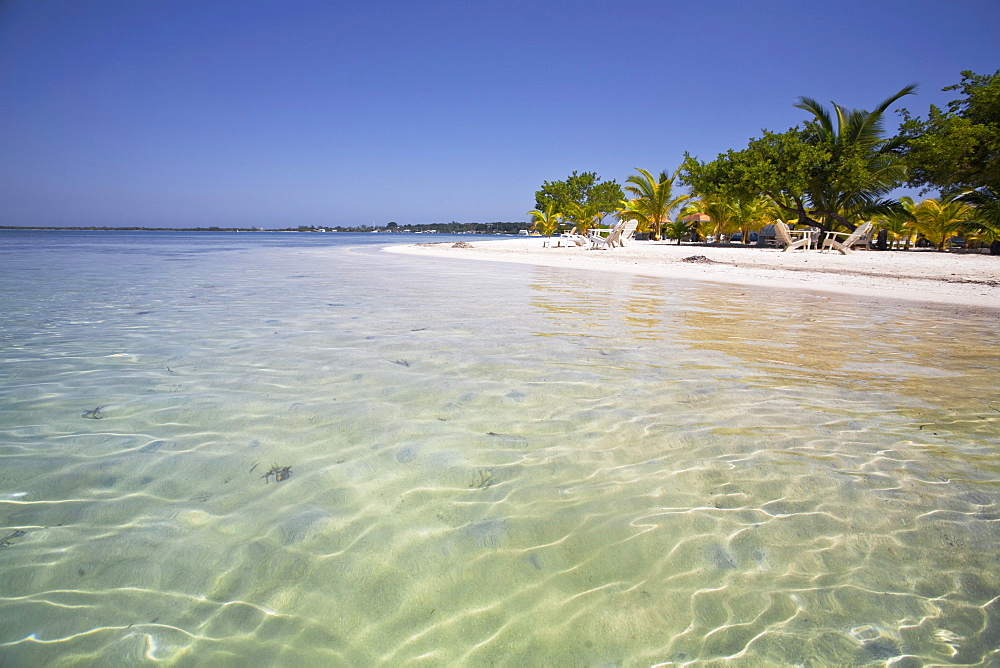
(961, 279)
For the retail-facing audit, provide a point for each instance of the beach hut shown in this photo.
(696, 218)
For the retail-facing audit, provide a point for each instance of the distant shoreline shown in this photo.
(138, 229)
(189, 229)
(471, 228)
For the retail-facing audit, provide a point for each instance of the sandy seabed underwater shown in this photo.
(482, 464)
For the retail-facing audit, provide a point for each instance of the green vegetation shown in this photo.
(547, 222)
(584, 216)
(443, 228)
(677, 229)
(581, 197)
(833, 171)
(939, 221)
(654, 200)
(900, 224)
(827, 174)
(958, 150)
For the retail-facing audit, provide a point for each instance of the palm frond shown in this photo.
(821, 115)
(845, 118)
(909, 89)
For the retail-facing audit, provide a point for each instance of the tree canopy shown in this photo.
(833, 170)
(586, 191)
(959, 148)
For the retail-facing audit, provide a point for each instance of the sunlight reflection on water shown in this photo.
(489, 464)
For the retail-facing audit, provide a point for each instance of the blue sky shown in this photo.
(300, 112)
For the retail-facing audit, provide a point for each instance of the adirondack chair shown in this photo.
(628, 232)
(601, 237)
(570, 238)
(859, 237)
(792, 238)
(615, 236)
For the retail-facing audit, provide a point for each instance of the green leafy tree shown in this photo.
(958, 150)
(980, 231)
(734, 207)
(585, 190)
(778, 165)
(827, 173)
(653, 201)
(547, 222)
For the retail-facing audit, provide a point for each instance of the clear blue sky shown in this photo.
(299, 112)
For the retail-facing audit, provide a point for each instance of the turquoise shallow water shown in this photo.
(489, 464)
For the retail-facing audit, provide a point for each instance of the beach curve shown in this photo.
(960, 279)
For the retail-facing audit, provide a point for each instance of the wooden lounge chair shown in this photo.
(792, 239)
(859, 237)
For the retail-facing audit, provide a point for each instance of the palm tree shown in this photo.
(901, 222)
(547, 222)
(724, 220)
(752, 213)
(871, 165)
(585, 216)
(678, 229)
(978, 233)
(654, 200)
(987, 203)
(940, 220)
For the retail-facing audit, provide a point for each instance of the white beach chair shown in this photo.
(572, 238)
(792, 239)
(859, 237)
(628, 232)
(615, 236)
(599, 237)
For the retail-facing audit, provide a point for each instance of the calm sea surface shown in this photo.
(299, 450)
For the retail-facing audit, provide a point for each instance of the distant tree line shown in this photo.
(130, 228)
(442, 228)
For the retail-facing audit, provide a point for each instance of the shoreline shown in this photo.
(960, 279)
